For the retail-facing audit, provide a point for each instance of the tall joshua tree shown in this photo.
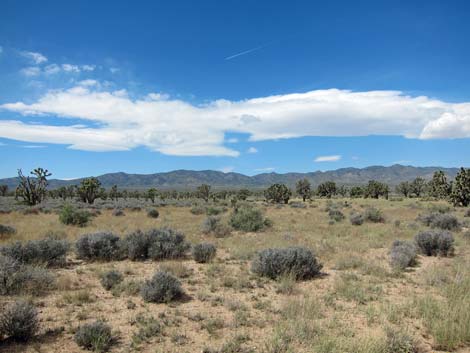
(33, 190)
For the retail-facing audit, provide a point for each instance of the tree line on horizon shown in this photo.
(32, 190)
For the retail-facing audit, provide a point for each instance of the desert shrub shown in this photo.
(18, 278)
(432, 243)
(118, 212)
(213, 211)
(297, 204)
(445, 221)
(398, 341)
(466, 235)
(162, 288)
(104, 246)
(49, 251)
(157, 244)
(72, 216)
(298, 262)
(7, 230)
(402, 254)
(167, 243)
(110, 279)
(153, 213)
(198, 210)
(204, 252)
(222, 230)
(374, 215)
(467, 213)
(210, 224)
(19, 321)
(94, 336)
(247, 219)
(335, 215)
(356, 219)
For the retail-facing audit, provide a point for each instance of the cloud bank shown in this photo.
(333, 158)
(112, 121)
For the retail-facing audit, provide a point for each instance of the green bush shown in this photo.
(204, 252)
(433, 243)
(198, 210)
(247, 219)
(7, 230)
(153, 213)
(374, 215)
(94, 336)
(72, 216)
(19, 321)
(162, 288)
(356, 219)
(336, 215)
(297, 262)
(50, 251)
(110, 279)
(443, 221)
(103, 246)
(157, 244)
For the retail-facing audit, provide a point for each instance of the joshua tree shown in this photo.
(461, 188)
(3, 190)
(356, 191)
(438, 186)
(113, 193)
(152, 194)
(418, 186)
(403, 188)
(327, 189)
(303, 188)
(375, 189)
(203, 192)
(278, 193)
(33, 190)
(89, 190)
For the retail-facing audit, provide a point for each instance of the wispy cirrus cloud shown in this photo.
(112, 121)
(333, 158)
(227, 169)
(252, 150)
(34, 57)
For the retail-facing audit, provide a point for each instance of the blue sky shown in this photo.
(93, 87)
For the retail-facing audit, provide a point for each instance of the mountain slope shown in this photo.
(189, 179)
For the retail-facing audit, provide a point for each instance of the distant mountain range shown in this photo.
(190, 179)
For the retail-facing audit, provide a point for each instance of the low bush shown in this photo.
(356, 219)
(6, 230)
(94, 336)
(467, 213)
(210, 224)
(204, 252)
(157, 244)
(110, 279)
(374, 215)
(398, 341)
(118, 212)
(335, 215)
(297, 204)
(213, 211)
(103, 246)
(19, 321)
(162, 288)
(18, 278)
(298, 262)
(433, 243)
(444, 221)
(50, 251)
(72, 216)
(247, 219)
(153, 213)
(402, 254)
(198, 210)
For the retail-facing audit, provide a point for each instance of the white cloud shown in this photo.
(114, 70)
(36, 58)
(32, 146)
(31, 71)
(232, 140)
(70, 68)
(176, 127)
(264, 170)
(89, 83)
(333, 158)
(227, 169)
(252, 150)
(51, 69)
(88, 67)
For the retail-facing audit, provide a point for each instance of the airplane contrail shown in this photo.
(245, 52)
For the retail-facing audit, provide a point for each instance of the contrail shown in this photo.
(245, 52)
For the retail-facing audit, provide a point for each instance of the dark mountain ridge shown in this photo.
(190, 179)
